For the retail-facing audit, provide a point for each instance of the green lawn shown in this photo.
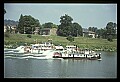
(81, 42)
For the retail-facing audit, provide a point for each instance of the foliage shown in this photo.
(81, 42)
(76, 29)
(29, 36)
(7, 34)
(49, 25)
(64, 29)
(110, 38)
(111, 30)
(70, 38)
(93, 29)
(67, 28)
(101, 33)
(27, 24)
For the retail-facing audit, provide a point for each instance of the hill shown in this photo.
(81, 42)
(10, 22)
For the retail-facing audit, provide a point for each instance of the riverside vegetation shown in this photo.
(15, 40)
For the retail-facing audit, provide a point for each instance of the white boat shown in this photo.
(33, 49)
(19, 49)
(74, 52)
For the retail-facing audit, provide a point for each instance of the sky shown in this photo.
(86, 15)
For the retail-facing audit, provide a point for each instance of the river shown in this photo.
(62, 68)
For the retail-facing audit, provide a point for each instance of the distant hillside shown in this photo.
(10, 22)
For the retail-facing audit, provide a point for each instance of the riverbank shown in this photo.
(82, 42)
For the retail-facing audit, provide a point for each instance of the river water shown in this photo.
(62, 68)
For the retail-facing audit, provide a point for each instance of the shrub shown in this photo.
(110, 38)
(7, 34)
(29, 36)
(70, 38)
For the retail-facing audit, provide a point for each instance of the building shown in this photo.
(5, 28)
(36, 30)
(87, 33)
(45, 31)
(11, 28)
(48, 31)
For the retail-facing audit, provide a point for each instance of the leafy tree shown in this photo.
(64, 29)
(67, 28)
(66, 20)
(76, 29)
(27, 24)
(111, 30)
(101, 33)
(54, 26)
(48, 25)
(21, 24)
(90, 28)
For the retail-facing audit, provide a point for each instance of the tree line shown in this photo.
(67, 27)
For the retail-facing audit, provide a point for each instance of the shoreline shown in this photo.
(96, 49)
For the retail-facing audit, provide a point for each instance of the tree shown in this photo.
(76, 29)
(48, 25)
(67, 28)
(101, 33)
(90, 28)
(64, 29)
(111, 29)
(27, 24)
(21, 24)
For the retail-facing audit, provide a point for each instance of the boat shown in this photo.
(32, 49)
(49, 50)
(73, 52)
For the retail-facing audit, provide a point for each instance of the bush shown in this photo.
(29, 36)
(70, 38)
(110, 38)
(7, 34)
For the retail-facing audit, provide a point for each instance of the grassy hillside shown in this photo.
(81, 42)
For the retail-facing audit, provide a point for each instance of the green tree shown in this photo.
(27, 24)
(90, 28)
(67, 28)
(76, 30)
(54, 26)
(21, 24)
(101, 33)
(64, 29)
(111, 29)
(48, 25)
